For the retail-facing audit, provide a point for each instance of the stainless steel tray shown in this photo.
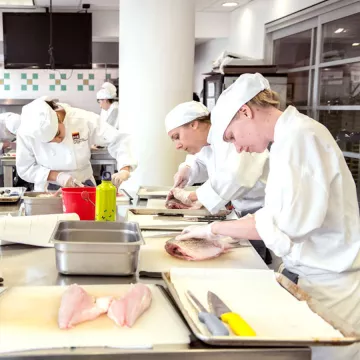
(158, 192)
(97, 248)
(37, 205)
(101, 154)
(12, 199)
(349, 333)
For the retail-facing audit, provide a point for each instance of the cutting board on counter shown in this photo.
(149, 222)
(28, 321)
(153, 192)
(155, 259)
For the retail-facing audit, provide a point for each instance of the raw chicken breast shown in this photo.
(127, 310)
(78, 306)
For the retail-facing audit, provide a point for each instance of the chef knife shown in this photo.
(237, 324)
(185, 219)
(213, 324)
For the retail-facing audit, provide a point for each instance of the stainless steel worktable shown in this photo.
(22, 265)
(98, 157)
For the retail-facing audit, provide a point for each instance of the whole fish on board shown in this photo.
(197, 250)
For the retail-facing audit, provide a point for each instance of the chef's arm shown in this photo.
(119, 144)
(199, 173)
(26, 165)
(53, 175)
(244, 228)
(233, 180)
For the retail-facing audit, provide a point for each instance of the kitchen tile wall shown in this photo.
(75, 87)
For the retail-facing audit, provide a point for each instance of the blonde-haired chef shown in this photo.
(227, 175)
(106, 98)
(311, 213)
(54, 142)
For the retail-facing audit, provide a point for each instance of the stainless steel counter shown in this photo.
(98, 157)
(22, 265)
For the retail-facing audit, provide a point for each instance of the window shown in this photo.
(320, 52)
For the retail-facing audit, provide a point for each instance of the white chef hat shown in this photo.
(184, 113)
(246, 87)
(107, 91)
(12, 122)
(39, 120)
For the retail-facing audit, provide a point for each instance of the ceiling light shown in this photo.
(355, 44)
(339, 30)
(230, 4)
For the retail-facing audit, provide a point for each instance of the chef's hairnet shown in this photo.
(246, 87)
(39, 121)
(184, 113)
(12, 122)
(107, 91)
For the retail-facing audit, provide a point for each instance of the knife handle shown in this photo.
(237, 324)
(213, 324)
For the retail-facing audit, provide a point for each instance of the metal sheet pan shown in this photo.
(349, 333)
(12, 199)
(157, 192)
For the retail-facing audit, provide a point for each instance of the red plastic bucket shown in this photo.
(75, 201)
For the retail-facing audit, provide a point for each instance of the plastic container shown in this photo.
(105, 199)
(80, 201)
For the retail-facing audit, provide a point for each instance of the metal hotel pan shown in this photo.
(97, 248)
(35, 204)
(349, 333)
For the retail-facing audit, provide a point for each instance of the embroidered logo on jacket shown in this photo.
(77, 139)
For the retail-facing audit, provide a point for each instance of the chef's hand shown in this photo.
(5, 145)
(199, 232)
(66, 180)
(181, 178)
(188, 198)
(119, 177)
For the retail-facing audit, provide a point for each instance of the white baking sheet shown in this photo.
(255, 295)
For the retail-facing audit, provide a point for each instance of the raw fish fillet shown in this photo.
(175, 204)
(125, 311)
(78, 306)
(196, 250)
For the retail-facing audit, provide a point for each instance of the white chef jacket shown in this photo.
(311, 218)
(111, 115)
(34, 159)
(228, 176)
(5, 135)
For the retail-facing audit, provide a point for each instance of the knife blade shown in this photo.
(2, 291)
(237, 324)
(213, 324)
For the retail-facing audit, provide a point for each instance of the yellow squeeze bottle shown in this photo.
(105, 209)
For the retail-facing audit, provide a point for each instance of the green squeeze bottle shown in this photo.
(105, 199)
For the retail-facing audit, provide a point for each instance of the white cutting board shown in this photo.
(148, 221)
(29, 322)
(156, 204)
(154, 258)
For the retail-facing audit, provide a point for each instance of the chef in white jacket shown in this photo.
(54, 141)
(106, 98)
(311, 214)
(227, 175)
(9, 124)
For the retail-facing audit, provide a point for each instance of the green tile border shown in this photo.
(23, 87)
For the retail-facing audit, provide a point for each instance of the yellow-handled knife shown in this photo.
(237, 324)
